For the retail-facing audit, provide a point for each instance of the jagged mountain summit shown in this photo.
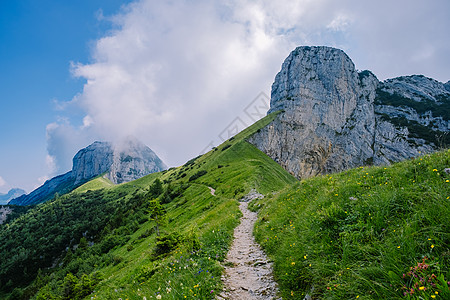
(12, 193)
(335, 118)
(121, 162)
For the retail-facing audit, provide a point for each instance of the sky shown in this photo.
(180, 75)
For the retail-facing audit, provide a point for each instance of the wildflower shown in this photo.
(158, 297)
(293, 263)
(434, 170)
(433, 296)
(432, 246)
(422, 288)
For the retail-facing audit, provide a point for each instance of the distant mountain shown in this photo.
(13, 193)
(335, 118)
(122, 162)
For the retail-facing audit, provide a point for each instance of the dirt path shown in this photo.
(250, 273)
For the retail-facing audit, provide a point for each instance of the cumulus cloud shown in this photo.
(63, 141)
(2, 182)
(180, 75)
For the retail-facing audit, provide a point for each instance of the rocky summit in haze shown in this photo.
(333, 117)
(13, 193)
(121, 162)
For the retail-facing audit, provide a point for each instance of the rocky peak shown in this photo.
(416, 87)
(447, 86)
(92, 161)
(121, 162)
(12, 193)
(321, 73)
(132, 160)
(333, 117)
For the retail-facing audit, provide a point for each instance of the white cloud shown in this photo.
(4, 186)
(176, 73)
(63, 141)
(2, 182)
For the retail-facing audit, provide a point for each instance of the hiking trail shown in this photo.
(248, 272)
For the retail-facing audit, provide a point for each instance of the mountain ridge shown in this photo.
(348, 235)
(335, 118)
(12, 193)
(119, 163)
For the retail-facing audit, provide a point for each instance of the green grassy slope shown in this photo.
(114, 251)
(350, 235)
(95, 184)
(357, 234)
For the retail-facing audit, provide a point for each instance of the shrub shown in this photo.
(167, 243)
(226, 147)
(197, 175)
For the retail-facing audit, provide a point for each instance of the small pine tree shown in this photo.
(156, 189)
(156, 213)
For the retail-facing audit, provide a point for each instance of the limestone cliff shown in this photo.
(334, 117)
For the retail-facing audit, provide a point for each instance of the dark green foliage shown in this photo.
(36, 239)
(146, 272)
(77, 288)
(438, 109)
(156, 213)
(156, 189)
(191, 161)
(197, 175)
(419, 131)
(16, 212)
(364, 74)
(167, 243)
(172, 191)
(226, 147)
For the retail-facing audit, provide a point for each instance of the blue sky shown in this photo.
(38, 40)
(177, 73)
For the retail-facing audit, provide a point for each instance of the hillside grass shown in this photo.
(362, 234)
(100, 241)
(95, 184)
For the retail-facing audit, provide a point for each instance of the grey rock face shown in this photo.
(92, 161)
(124, 162)
(333, 118)
(133, 160)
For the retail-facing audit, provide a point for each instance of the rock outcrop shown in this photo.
(121, 162)
(92, 161)
(133, 160)
(333, 117)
